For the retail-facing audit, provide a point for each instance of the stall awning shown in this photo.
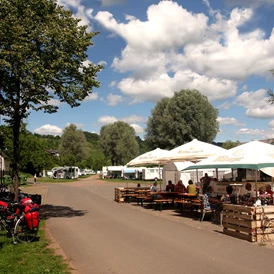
(129, 170)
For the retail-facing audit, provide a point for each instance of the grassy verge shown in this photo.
(32, 258)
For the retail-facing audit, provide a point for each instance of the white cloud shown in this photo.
(229, 121)
(271, 124)
(81, 12)
(248, 131)
(112, 84)
(225, 105)
(181, 49)
(249, 2)
(103, 63)
(107, 3)
(256, 104)
(92, 97)
(104, 120)
(256, 133)
(114, 99)
(78, 125)
(164, 86)
(48, 130)
(134, 119)
(138, 129)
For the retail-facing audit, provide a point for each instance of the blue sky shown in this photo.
(223, 48)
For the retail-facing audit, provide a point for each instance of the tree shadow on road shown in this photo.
(51, 211)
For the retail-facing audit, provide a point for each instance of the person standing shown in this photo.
(35, 178)
(205, 181)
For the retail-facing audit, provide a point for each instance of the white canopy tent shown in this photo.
(193, 151)
(254, 155)
(149, 158)
(172, 171)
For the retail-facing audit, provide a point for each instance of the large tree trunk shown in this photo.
(16, 156)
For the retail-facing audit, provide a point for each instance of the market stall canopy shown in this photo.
(253, 155)
(149, 158)
(193, 151)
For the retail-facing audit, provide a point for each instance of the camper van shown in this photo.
(68, 172)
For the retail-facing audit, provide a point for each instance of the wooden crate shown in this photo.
(118, 194)
(239, 221)
(249, 222)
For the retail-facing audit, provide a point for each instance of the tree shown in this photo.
(33, 158)
(42, 58)
(177, 120)
(118, 142)
(73, 147)
(230, 144)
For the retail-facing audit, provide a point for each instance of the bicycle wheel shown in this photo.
(22, 233)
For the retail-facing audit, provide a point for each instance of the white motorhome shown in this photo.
(68, 172)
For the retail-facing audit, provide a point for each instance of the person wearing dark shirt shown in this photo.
(170, 186)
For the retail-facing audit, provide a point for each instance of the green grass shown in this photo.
(32, 258)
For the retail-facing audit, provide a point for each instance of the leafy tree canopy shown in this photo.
(177, 120)
(118, 142)
(73, 147)
(42, 59)
(230, 144)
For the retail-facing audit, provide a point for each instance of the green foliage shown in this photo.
(118, 142)
(230, 144)
(32, 258)
(73, 147)
(42, 59)
(186, 116)
(33, 155)
(92, 138)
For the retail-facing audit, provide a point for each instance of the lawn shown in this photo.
(32, 258)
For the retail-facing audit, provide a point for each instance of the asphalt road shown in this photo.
(101, 236)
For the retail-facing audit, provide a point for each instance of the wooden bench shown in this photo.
(128, 197)
(159, 203)
(144, 199)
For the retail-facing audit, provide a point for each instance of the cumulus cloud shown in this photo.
(164, 86)
(138, 129)
(112, 84)
(79, 11)
(104, 120)
(107, 3)
(134, 119)
(248, 3)
(78, 125)
(257, 133)
(256, 104)
(181, 49)
(229, 121)
(48, 130)
(114, 99)
(92, 97)
(103, 63)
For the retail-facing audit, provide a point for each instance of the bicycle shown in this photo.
(12, 219)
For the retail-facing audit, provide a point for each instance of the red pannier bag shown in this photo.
(31, 211)
(32, 219)
(3, 206)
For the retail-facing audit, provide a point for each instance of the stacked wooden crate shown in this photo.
(118, 194)
(249, 222)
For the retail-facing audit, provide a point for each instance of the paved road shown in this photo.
(101, 236)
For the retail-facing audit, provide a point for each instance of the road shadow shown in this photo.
(52, 211)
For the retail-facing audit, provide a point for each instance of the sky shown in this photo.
(223, 48)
